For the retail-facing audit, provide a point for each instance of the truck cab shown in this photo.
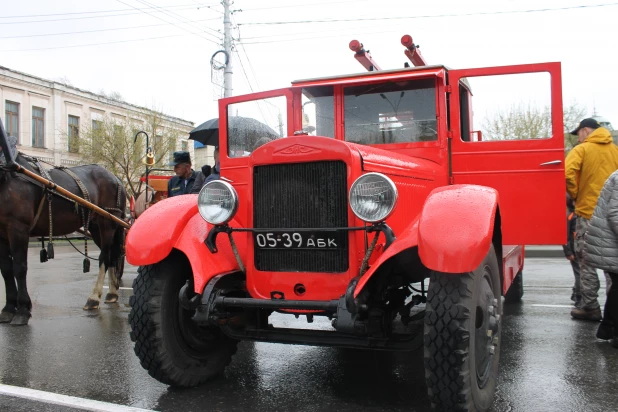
(370, 200)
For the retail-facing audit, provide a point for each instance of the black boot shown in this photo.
(605, 331)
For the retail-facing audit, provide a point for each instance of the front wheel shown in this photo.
(170, 346)
(462, 337)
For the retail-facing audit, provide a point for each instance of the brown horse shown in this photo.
(24, 213)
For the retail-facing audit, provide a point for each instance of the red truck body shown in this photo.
(464, 208)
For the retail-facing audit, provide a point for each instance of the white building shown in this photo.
(44, 114)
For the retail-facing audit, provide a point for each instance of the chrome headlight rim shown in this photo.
(392, 185)
(233, 193)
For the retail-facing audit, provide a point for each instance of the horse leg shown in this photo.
(112, 295)
(6, 267)
(116, 255)
(95, 297)
(103, 234)
(18, 239)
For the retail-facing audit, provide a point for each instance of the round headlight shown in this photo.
(373, 197)
(217, 202)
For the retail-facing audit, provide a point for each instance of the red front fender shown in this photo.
(176, 223)
(456, 227)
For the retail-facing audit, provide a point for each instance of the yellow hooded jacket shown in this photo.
(588, 166)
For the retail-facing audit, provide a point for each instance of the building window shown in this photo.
(185, 146)
(97, 125)
(171, 149)
(73, 134)
(38, 127)
(12, 119)
(118, 131)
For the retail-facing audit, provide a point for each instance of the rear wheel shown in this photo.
(462, 337)
(170, 346)
(516, 291)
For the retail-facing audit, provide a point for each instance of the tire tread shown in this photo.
(145, 319)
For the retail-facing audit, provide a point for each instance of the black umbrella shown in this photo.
(242, 131)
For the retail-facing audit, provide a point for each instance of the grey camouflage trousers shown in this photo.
(589, 280)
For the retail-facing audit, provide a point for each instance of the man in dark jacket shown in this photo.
(569, 250)
(200, 180)
(601, 251)
(182, 183)
(208, 173)
(215, 175)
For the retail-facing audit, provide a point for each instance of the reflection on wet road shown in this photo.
(549, 362)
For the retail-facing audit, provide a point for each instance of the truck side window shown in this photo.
(319, 111)
(505, 107)
(465, 114)
(396, 112)
(253, 123)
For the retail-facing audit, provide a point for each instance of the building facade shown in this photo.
(46, 116)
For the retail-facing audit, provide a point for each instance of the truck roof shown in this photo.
(371, 73)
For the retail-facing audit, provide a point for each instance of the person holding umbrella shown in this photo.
(182, 183)
(207, 174)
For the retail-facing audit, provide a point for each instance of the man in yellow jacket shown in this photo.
(588, 166)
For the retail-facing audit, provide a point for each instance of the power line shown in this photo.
(85, 17)
(386, 28)
(94, 31)
(209, 6)
(85, 12)
(93, 44)
(486, 13)
(328, 36)
(176, 16)
(247, 57)
(244, 71)
(302, 5)
(173, 24)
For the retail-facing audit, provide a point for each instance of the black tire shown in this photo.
(169, 345)
(460, 370)
(516, 291)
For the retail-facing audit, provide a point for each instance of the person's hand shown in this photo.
(571, 257)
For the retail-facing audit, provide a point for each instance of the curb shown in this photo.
(544, 252)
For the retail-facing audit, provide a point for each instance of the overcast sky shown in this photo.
(156, 53)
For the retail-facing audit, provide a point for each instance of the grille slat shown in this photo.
(301, 195)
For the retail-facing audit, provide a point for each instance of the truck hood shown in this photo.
(393, 163)
(371, 159)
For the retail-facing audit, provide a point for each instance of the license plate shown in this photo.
(300, 240)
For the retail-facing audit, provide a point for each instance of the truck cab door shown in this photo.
(518, 150)
(245, 122)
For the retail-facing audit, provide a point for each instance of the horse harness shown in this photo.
(48, 194)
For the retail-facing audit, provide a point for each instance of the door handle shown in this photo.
(553, 162)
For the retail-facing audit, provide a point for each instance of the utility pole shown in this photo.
(227, 45)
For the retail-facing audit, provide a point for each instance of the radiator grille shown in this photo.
(301, 195)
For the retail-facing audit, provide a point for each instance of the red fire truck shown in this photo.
(370, 202)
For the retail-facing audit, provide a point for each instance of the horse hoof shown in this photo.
(111, 298)
(91, 304)
(6, 317)
(21, 318)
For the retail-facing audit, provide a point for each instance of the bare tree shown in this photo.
(572, 115)
(112, 95)
(110, 142)
(526, 121)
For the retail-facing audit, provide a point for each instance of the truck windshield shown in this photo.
(396, 112)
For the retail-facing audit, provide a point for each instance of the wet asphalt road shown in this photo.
(549, 362)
